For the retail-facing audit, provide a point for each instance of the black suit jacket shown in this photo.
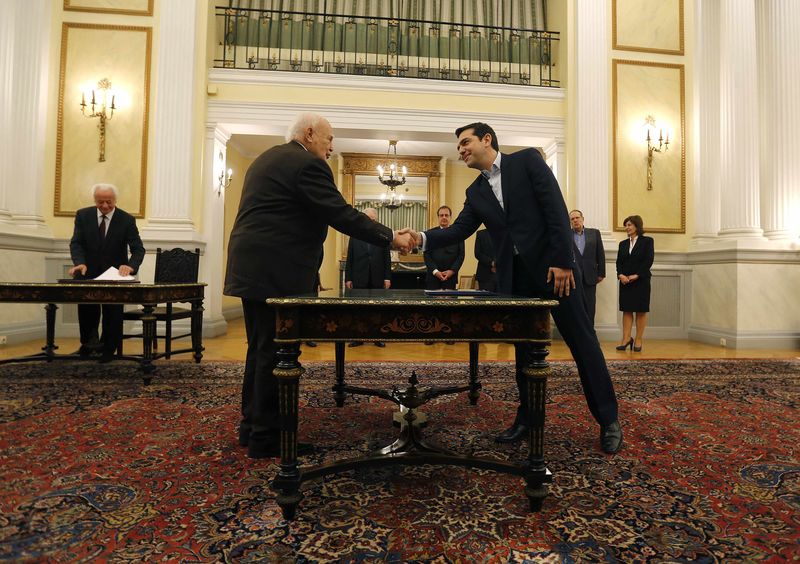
(288, 201)
(367, 265)
(639, 261)
(593, 261)
(534, 219)
(484, 252)
(86, 246)
(450, 257)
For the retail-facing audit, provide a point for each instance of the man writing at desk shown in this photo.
(99, 241)
(518, 199)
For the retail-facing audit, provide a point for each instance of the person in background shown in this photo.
(634, 259)
(101, 238)
(486, 273)
(591, 259)
(444, 263)
(367, 267)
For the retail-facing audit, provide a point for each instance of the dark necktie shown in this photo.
(102, 227)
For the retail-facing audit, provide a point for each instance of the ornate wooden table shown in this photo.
(146, 295)
(409, 315)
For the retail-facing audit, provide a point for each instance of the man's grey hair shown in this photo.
(105, 186)
(371, 211)
(301, 123)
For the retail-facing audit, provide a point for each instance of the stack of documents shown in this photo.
(113, 275)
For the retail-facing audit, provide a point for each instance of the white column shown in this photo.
(778, 35)
(707, 131)
(7, 18)
(593, 122)
(170, 206)
(739, 120)
(555, 155)
(28, 113)
(212, 268)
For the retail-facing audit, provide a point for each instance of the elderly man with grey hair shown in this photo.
(101, 238)
(288, 202)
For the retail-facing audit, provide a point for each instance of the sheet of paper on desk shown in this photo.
(113, 275)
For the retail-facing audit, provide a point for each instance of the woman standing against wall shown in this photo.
(634, 259)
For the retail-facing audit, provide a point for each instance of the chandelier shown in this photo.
(395, 177)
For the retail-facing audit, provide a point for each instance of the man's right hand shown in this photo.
(349, 284)
(78, 268)
(404, 241)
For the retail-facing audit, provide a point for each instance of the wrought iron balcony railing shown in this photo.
(378, 46)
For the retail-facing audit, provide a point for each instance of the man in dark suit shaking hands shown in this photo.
(288, 201)
(591, 259)
(518, 199)
(101, 238)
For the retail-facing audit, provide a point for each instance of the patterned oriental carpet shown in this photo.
(95, 466)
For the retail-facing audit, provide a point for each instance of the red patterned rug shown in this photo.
(95, 466)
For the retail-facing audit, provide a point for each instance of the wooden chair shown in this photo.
(175, 266)
(466, 282)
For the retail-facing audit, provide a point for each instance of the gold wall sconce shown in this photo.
(101, 110)
(224, 178)
(663, 146)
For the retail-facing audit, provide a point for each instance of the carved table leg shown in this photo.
(474, 385)
(197, 329)
(287, 482)
(50, 347)
(148, 335)
(537, 370)
(338, 391)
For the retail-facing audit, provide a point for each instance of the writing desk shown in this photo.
(79, 292)
(408, 315)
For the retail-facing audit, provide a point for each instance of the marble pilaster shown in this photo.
(739, 217)
(170, 203)
(778, 33)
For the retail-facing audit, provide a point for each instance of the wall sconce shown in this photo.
(663, 146)
(224, 178)
(100, 110)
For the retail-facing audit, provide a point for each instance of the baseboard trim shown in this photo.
(17, 333)
(232, 312)
(788, 340)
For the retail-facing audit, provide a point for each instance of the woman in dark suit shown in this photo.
(634, 259)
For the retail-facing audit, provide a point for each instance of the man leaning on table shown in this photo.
(101, 238)
(518, 199)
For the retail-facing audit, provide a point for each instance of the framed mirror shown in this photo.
(361, 187)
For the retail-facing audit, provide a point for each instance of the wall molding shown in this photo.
(383, 84)
(745, 339)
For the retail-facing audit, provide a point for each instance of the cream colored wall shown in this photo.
(233, 194)
(62, 226)
(632, 14)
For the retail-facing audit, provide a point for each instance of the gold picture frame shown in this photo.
(647, 34)
(641, 90)
(126, 7)
(77, 166)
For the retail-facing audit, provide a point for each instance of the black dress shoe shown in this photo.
(106, 357)
(611, 437)
(515, 433)
(355, 344)
(311, 344)
(380, 344)
(272, 449)
(244, 435)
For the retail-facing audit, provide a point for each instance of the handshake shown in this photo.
(405, 240)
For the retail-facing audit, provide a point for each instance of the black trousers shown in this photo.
(260, 386)
(89, 321)
(433, 283)
(579, 335)
(590, 300)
